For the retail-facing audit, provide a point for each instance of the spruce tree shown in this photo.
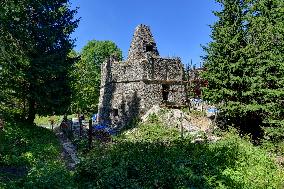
(224, 59)
(41, 30)
(265, 56)
(244, 65)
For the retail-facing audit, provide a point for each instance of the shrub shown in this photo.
(151, 157)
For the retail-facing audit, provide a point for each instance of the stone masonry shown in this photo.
(130, 88)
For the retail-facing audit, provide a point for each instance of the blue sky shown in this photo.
(179, 27)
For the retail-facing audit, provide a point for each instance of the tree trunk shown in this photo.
(31, 111)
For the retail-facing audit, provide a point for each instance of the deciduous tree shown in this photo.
(86, 74)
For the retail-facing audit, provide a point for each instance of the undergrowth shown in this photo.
(36, 152)
(147, 156)
(152, 156)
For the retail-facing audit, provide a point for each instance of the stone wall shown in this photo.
(133, 88)
(130, 88)
(164, 69)
(142, 42)
(128, 71)
(123, 102)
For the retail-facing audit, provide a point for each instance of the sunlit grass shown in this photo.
(38, 151)
(153, 156)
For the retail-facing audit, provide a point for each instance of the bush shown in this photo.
(49, 175)
(38, 151)
(151, 157)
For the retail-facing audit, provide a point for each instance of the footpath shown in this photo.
(69, 152)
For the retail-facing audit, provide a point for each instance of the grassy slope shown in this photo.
(35, 150)
(152, 156)
(149, 156)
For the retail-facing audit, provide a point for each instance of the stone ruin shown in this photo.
(130, 88)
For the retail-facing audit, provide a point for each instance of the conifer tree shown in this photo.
(265, 56)
(224, 58)
(40, 30)
(244, 64)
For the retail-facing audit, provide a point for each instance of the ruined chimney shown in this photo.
(143, 44)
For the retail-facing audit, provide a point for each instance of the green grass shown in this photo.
(148, 156)
(152, 156)
(45, 120)
(35, 150)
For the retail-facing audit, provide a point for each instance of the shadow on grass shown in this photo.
(179, 164)
(30, 158)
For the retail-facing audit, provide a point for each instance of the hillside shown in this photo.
(148, 155)
(153, 155)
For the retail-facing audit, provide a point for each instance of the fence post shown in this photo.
(80, 124)
(90, 133)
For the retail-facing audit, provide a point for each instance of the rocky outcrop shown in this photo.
(199, 127)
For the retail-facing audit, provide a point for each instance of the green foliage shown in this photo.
(49, 175)
(153, 118)
(87, 77)
(265, 55)
(38, 150)
(152, 156)
(149, 156)
(197, 113)
(274, 148)
(35, 41)
(244, 65)
(151, 132)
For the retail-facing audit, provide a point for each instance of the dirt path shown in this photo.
(69, 153)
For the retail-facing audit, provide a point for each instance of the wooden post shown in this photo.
(90, 133)
(52, 123)
(183, 85)
(80, 125)
(71, 125)
(187, 88)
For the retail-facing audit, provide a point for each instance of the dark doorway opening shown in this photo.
(115, 112)
(149, 48)
(165, 92)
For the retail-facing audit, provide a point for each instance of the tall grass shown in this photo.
(35, 150)
(152, 156)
